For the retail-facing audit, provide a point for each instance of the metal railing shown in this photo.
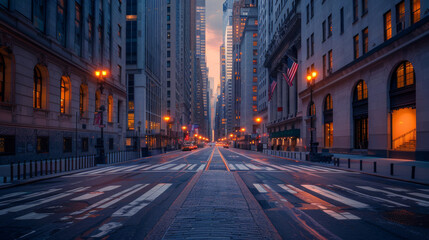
(404, 138)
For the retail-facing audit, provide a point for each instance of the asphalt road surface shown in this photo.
(208, 193)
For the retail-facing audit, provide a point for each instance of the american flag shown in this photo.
(291, 69)
(271, 90)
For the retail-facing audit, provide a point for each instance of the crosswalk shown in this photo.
(340, 202)
(166, 167)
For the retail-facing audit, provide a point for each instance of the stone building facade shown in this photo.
(49, 51)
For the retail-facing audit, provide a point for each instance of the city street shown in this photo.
(215, 193)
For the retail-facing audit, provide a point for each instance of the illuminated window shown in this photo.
(404, 75)
(329, 25)
(61, 21)
(361, 91)
(255, 88)
(254, 98)
(110, 109)
(328, 102)
(37, 88)
(255, 62)
(83, 99)
(255, 43)
(2, 78)
(331, 63)
(387, 26)
(355, 10)
(312, 109)
(329, 136)
(255, 79)
(255, 35)
(415, 11)
(65, 95)
(131, 121)
(356, 46)
(254, 70)
(365, 41)
(364, 7)
(400, 16)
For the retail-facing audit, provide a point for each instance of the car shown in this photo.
(187, 147)
(226, 145)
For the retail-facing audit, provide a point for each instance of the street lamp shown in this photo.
(101, 74)
(139, 138)
(311, 78)
(167, 120)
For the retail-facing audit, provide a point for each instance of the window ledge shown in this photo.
(6, 106)
(355, 21)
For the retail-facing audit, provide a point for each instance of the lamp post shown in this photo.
(167, 120)
(101, 74)
(258, 121)
(311, 80)
(139, 138)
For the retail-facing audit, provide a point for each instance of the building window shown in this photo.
(120, 5)
(254, 70)
(255, 52)
(308, 48)
(61, 22)
(97, 100)
(168, 64)
(7, 145)
(42, 145)
(119, 51)
(130, 121)
(255, 62)
(85, 144)
(2, 79)
(91, 29)
(308, 13)
(365, 41)
(131, 46)
(168, 54)
(312, 8)
(356, 46)
(168, 44)
(342, 20)
(330, 26)
(404, 75)
(64, 95)
(324, 65)
(119, 30)
(39, 14)
(364, 7)
(400, 17)
(37, 88)
(168, 74)
(255, 89)
(255, 43)
(120, 73)
(329, 134)
(83, 99)
(312, 44)
(360, 115)
(110, 109)
(78, 27)
(355, 10)
(361, 91)
(255, 79)
(331, 63)
(255, 35)
(118, 113)
(387, 25)
(323, 31)
(415, 11)
(67, 144)
(111, 143)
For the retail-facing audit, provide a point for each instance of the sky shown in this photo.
(213, 38)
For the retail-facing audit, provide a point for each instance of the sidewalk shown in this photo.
(400, 169)
(217, 207)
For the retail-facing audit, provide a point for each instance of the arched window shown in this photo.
(360, 115)
(37, 88)
(65, 95)
(83, 99)
(328, 121)
(2, 78)
(404, 75)
(110, 109)
(97, 100)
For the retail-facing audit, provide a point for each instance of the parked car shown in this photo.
(187, 147)
(226, 145)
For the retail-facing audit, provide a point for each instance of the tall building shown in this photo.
(49, 51)
(221, 108)
(146, 64)
(370, 94)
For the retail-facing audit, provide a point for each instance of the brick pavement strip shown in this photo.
(216, 208)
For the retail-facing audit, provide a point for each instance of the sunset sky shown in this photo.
(213, 37)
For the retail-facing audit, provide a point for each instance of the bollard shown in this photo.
(61, 164)
(50, 165)
(55, 165)
(4, 179)
(413, 172)
(31, 170)
(11, 171)
(391, 169)
(35, 168)
(25, 170)
(348, 163)
(69, 163)
(19, 171)
(41, 167)
(375, 167)
(46, 167)
(360, 164)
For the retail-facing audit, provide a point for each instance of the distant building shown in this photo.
(49, 51)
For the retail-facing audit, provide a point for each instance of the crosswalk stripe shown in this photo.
(269, 169)
(327, 169)
(252, 166)
(289, 169)
(336, 197)
(119, 195)
(25, 197)
(396, 189)
(301, 168)
(391, 194)
(231, 166)
(241, 166)
(151, 167)
(133, 207)
(121, 168)
(136, 168)
(180, 166)
(260, 188)
(96, 193)
(201, 167)
(15, 194)
(95, 171)
(287, 189)
(334, 215)
(37, 202)
(191, 167)
(33, 216)
(422, 195)
(374, 198)
(165, 166)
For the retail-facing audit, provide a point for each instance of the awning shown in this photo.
(286, 133)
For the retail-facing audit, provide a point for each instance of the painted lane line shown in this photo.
(135, 206)
(287, 189)
(232, 167)
(241, 166)
(180, 166)
(253, 167)
(350, 216)
(269, 169)
(396, 189)
(336, 197)
(391, 194)
(328, 169)
(303, 168)
(165, 166)
(99, 171)
(289, 169)
(136, 168)
(15, 194)
(422, 195)
(33, 216)
(334, 215)
(223, 160)
(94, 171)
(260, 188)
(378, 199)
(201, 167)
(122, 168)
(96, 193)
(191, 167)
(32, 195)
(37, 202)
(111, 198)
(261, 162)
(424, 190)
(209, 160)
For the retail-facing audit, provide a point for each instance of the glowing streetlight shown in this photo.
(311, 79)
(258, 120)
(243, 129)
(167, 118)
(231, 135)
(184, 128)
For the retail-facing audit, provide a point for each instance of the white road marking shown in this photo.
(302, 168)
(12, 195)
(260, 188)
(96, 193)
(95, 171)
(252, 166)
(191, 167)
(269, 169)
(336, 197)
(425, 190)
(391, 194)
(241, 166)
(287, 189)
(29, 196)
(37, 202)
(422, 195)
(106, 228)
(136, 168)
(378, 199)
(201, 167)
(165, 166)
(335, 215)
(350, 216)
(135, 206)
(25, 235)
(33, 216)
(232, 167)
(396, 189)
(113, 199)
(180, 166)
